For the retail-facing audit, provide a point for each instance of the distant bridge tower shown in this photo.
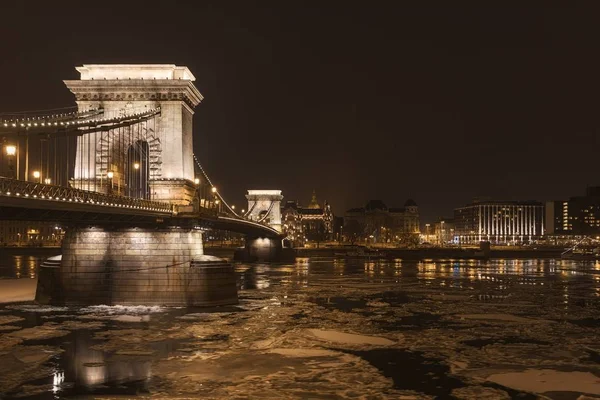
(164, 146)
(265, 206)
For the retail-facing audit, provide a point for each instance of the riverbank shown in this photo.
(415, 254)
(439, 253)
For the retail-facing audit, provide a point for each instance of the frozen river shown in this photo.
(325, 329)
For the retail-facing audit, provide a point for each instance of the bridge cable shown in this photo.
(217, 192)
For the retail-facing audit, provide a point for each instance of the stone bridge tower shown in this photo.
(265, 205)
(167, 141)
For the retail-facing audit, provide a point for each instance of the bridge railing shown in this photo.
(32, 190)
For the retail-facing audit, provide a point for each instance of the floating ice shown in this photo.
(119, 310)
(350, 338)
(548, 380)
(503, 318)
(37, 308)
(9, 319)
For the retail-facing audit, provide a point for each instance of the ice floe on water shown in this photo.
(503, 318)
(35, 308)
(120, 310)
(9, 319)
(548, 380)
(349, 338)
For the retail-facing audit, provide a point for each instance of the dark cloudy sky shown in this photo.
(358, 100)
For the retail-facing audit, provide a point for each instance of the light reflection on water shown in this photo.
(23, 263)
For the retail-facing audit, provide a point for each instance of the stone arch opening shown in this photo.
(137, 170)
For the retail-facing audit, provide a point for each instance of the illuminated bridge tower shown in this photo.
(128, 261)
(265, 206)
(163, 146)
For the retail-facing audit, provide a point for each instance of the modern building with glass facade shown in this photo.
(499, 222)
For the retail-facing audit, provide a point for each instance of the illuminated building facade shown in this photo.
(579, 215)
(30, 233)
(444, 231)
(380, 224)
(304, 224)
(499, 222)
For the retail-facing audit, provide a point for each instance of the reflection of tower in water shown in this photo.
(91, 369)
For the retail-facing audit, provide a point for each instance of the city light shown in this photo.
(197, 181)
(36, 174)
(136, 165)
(47, 181)
(110, 174)
(214, 189)
(11, 150)
(232, 207)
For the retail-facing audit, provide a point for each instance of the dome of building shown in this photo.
(314, 204)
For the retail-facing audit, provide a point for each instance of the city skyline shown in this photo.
(437, 104)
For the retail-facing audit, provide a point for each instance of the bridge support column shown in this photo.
(264, 249)
(140, 266)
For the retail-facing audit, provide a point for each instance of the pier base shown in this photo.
(135, 266)
(264, 250)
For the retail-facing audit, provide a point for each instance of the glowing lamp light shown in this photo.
(214, 189)
(36, 174)
(243, 211)
(136, 165)
(197, 181)
(233, 207)
(11, 150)
(47, 181)
(110, 174)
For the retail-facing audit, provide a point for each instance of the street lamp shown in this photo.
(47, 181)
(136, 166)
(37, 175)
(110, 175)
(214, 189)
(11, 151)
(197, 181)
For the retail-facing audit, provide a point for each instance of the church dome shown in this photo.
(314, 204)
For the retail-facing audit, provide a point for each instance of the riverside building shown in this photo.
(578, 216)
(499, 222)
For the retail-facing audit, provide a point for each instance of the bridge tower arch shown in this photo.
(133, 88)
(265, 206)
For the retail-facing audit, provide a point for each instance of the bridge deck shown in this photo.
(21, 200)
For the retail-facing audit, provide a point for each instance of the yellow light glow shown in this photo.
(110, 174)
(36, 174)
(47, 181)
(214, 189)
(197, 181)
(136, 165)
(233, 207)
(11, 150)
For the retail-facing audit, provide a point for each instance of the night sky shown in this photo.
(362, 100)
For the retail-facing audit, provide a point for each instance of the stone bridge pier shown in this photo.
(137, 266)
(265, 249)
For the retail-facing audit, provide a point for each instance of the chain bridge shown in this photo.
(118, 171)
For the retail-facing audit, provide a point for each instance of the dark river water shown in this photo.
(323, 328)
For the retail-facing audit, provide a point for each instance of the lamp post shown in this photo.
(37, 175)
(110, 175)
(11, 151)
